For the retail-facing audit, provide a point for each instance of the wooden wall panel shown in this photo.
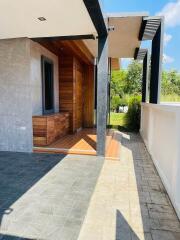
(79, 77)
(71, 79)
(115, 63)
(88, 97)
(76, 91)
(66, 88)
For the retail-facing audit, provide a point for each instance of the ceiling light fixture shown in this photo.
(41, 19)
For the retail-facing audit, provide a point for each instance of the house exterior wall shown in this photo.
(15, 96)
(36, 51)
(160, 131)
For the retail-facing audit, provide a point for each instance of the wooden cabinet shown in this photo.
(49, 128)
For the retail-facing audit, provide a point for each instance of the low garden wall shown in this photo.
(160, 130)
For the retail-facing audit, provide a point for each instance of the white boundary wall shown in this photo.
(160, 130)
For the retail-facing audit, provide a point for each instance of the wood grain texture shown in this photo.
(88, 97)
(48, 128)
(114, 146)
(84, 142)
(66, 88)
(76, 91)
(76, 48)
(79, 50)
(115, 64)
(79, 81)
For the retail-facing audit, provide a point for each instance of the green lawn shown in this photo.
(170, 98)
(117, 119)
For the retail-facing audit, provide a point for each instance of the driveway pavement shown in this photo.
(45, 196)
(57, 197)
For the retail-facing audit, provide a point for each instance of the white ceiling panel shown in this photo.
(19, 18)
(123, 40)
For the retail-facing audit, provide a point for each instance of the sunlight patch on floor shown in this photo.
(114, 211)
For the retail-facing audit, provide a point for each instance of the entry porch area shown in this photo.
(84, 142)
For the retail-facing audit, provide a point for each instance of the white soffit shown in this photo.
(19, 18)
(124, 39)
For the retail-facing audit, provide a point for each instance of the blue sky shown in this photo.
(171, 11)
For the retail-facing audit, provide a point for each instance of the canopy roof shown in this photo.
(124, 39)
(140, 53)
(58, 18)
(19, 18)
(149, 27)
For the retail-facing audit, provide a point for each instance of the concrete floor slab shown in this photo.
(73, 197)
(45, 196)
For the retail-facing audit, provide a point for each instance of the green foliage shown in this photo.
(170, 84)
(128, 82)
(170, 98)
(115, 102)
(117, 119)
(118, 82)
(123, 101)
(132, 118)
(134, 78)
(124, 83)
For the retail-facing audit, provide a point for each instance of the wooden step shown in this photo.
(113, 148)
(64, 151)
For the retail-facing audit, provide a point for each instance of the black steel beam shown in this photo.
(142, 29)
(145, 78)
(109, 89)
(156, 64)
(95, 12)
(136, 53)
(70, 37)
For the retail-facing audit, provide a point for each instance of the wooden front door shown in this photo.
(78, 95)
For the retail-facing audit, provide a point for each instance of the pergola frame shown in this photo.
(153, 29)
(143, 55)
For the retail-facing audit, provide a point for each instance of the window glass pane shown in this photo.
(47, 85)
(48, 81)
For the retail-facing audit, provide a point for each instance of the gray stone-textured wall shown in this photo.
(15, 96)
(36, 51)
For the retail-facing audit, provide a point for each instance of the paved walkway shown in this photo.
(129, 201)
(57, 197)
(45, 196)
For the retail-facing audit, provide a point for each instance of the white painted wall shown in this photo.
(36, 51)
(160, 130)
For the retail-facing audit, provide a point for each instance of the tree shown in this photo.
(134, 78)
(118, 82)
(115, 103)
(125, 82)
(170, 83)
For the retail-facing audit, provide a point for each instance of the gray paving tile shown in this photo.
(45, 196)
(165, 235)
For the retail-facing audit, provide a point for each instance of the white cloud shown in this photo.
(171, 11)
(167, 38)
(167, 59)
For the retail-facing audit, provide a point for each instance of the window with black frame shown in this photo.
(47, 85)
